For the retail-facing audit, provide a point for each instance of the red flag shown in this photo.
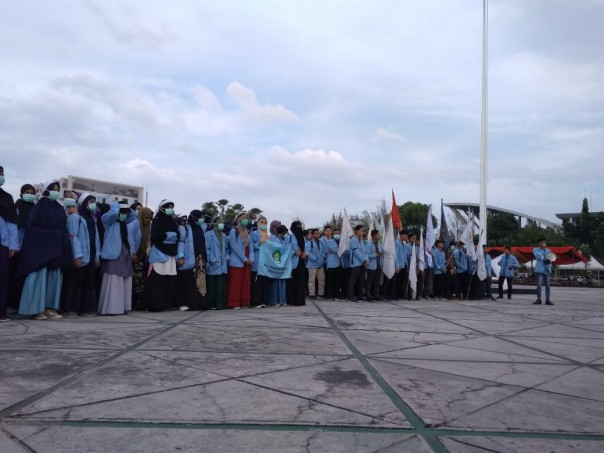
(396, 219)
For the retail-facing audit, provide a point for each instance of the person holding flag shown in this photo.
(358, 263)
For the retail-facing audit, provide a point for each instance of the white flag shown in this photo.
(413, 272)
(468, 239)
(482, 265)
(389, 250)
(345, 233)
(430, 239)
(422, 253)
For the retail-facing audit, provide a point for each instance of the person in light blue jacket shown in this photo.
(186, 288)
(9, 244)
(115, 297)
(261, 284)
(317, 255)
(358, 264)
(508, 266)
(461, 269)
(78, 294)
(217, 250)
(374, 252)
(543, 271)
(241, 258)
(440, 269)
(332, 264)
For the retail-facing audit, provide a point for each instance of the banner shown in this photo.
(275, 260)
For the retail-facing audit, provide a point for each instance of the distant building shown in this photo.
(573, 218)
(104, 191)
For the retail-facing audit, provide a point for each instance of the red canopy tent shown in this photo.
(564, 255)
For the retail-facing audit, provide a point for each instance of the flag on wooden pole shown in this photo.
(396, 218)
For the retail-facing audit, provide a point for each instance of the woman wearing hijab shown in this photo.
(160, 288)
(8, 242)
(79, 282)
(278, 290)
(195, 256)
(139, 234)
(241, 258)
(24, 205)
(115, 297)
(45, 250)
(296, 286)
(260, 284)
(216, 269)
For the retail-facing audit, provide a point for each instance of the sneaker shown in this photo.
(548, 302)
(260, 306)
(183, 308)
(537, 302)
(89, 315)
(235, 308)
(5, 319)
(71, 314)
(51, 314)
(40, 317)
(283, 305)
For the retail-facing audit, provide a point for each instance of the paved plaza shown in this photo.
(333, 376)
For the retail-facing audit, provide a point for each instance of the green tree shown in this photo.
(210, 208)
(413, 215)
(503, 229)
(255, 213)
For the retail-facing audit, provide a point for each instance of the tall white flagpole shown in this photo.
(484, 118)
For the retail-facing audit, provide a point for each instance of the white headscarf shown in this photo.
(164, 202)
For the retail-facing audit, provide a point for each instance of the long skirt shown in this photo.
(116, 288)
(216, 291)
(4, 280)
(186, 289)
(78, 294)
(42, 289)
(259, 290)
(15, 287)
(139, 274)
(278, 291)
(239, 287)
(296, 286)
(159, 293)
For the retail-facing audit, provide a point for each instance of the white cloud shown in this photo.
(246, 99)
(382, 134)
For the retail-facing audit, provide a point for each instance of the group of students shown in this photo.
(83, 258)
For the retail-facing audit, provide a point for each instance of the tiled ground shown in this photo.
(332, 376)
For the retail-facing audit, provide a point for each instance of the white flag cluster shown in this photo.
(389, 250)
(345, 234)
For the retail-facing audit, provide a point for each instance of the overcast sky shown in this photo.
(301, 108)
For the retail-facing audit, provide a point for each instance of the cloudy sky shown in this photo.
(302, 107)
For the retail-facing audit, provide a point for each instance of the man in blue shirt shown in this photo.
(543, 271)
(508, 265)
(358, 264)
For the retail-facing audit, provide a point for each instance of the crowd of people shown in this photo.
(80, 257)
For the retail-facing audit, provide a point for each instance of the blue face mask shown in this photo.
(68, 202)
(200, 222)
(244, 222)
(29, 197)
(53, 195)
(336, 237)
(262, 227)
(92, 207)
(2, 180)
(169, 211)
(123, 217)
(220, 226)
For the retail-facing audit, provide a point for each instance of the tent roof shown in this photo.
(565, 255)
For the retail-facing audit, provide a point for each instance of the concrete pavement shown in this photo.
(419, 376)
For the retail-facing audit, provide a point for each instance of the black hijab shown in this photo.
(90, 220)
(161, 224)
(296, 229)
(24, 207)
(199, 238)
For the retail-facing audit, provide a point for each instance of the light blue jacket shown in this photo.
(80, 239)
(112, 245)
(488, 264)
(295, 248)
(255, 243)
(237, 256)
(345, 259)
(317, 254)
(400, 255)
(370, 250)
(358, 253)
(461, 260)
(541, 255)
(439, 260)
(505, 264)
(134, 236)
(186, 249)
(9, 236)
(217, 256)
(331, 246)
